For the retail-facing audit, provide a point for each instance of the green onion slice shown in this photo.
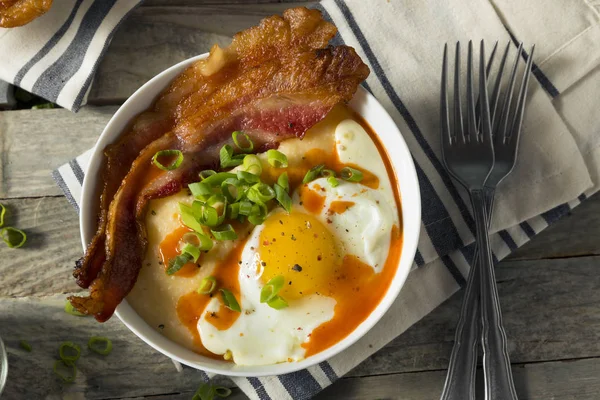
(217, 179)
(25, 346)
(175, 264)
(277, 303)
(200, 189)
(106, 343)
(227, 158)
(258, 214)
(2, 212)
(206, 173)
(13, 237)
(260, 193)
(248, 177)
(69, 309)
(277, 159)
(283, 181)
(191, 250)
(272, 288)
(313, 173)
(351, 175)
(245, 207)
(188, 218)
(208, 285)
(207, 214)
(68, 365)
(283, 198)
(252, 164)
(224, 232)
(233, 210)
(69, 347)
(230, 301)
(198, 240)
(168, 153)
(42, 106)
(222, 391)
(333, 182)
(233, 189)
(249, 144)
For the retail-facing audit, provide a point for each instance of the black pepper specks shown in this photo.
(297, 268)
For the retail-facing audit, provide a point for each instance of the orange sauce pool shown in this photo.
(190, 307)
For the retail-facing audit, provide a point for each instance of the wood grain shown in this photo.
(155, 38)
(34, 142)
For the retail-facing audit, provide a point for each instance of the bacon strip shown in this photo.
(270, 83)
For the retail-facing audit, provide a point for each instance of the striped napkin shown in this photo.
(559, 166)
(56, 55)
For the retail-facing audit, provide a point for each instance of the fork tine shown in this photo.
(487, 69)
(472, 131)
(518, 120)
(503, 124)
(486, 134)
(458, 117)
(496, 90)
(444, 115)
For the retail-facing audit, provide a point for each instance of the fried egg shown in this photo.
(335, 239)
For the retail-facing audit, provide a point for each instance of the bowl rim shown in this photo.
(135, 323)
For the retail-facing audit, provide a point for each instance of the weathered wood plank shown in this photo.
(132, 369)
(577, 234)
(155, 38)
(43, 266)
(551, 311)
(34, 142)
(565, 380)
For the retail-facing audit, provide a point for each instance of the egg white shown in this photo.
(268, 336)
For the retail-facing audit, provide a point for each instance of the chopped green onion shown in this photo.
(227, 159)
(13, 237)
(68, 346)
(277, 159)
(351, 175)
(224, 232)
(258, 214)
(199, 240)
(234, 184)
(69, 309)
(188, 218)
(260, 193)
(205, 214)
(175, 264)
(95, 340)
(230, 301)
(283, 198)
(313, 173)
(246, 149)
(248, 177)
(25, 346)
(222, 391)
(283, 181)
(218, 178)
(277, 303)
(66, 364)
(206, 173)
(219, 203)
(272, 288)
(200, 189)
(2, 212)
(233, 210)
(168, 153)
(191, 250)
(42, 106)
(333, 182)
(208, 285)
(252, 164)
(245, 207)
(208, 392)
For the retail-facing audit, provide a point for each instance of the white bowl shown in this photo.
(383, 125)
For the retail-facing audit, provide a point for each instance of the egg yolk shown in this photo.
(299, 247)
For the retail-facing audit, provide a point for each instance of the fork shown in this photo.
(471, 173)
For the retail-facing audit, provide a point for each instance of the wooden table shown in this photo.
(550, 290)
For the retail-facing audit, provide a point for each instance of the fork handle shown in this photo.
(460, 380)
(499, 383)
